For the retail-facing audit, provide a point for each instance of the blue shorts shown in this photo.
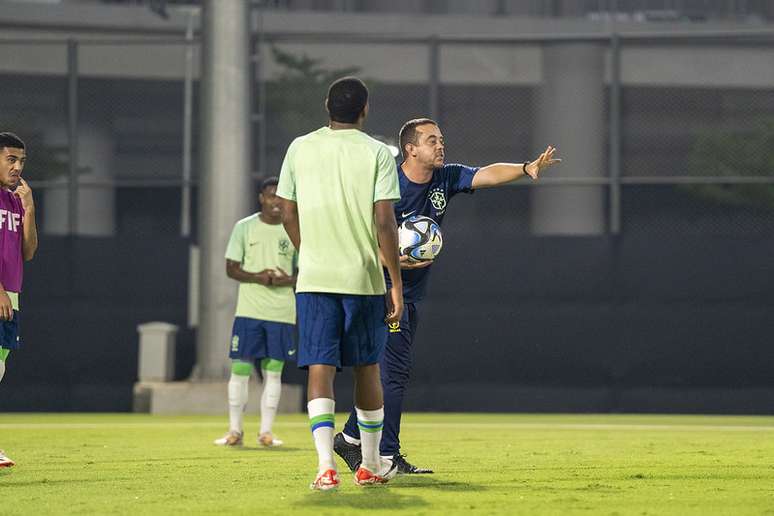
(9, 332)
(340, 329)
(253, 339)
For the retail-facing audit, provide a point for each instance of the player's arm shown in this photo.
(498, 174)
(387, 234)
(29, 228)
(290, 222)
(235, 271)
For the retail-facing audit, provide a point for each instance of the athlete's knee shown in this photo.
(3, 357)
(272, 365)
(241, 368)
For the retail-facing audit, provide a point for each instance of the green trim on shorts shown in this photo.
(272, 365)
(241, 368)
(4, 354)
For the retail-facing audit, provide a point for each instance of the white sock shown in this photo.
(321, 420)
(351, 440)
(370, 423)
(272, 389)
(237, 400)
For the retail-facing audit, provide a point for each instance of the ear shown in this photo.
(325, 105)
(260, 198)
(364, 113)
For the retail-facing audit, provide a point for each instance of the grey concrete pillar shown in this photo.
(224, 193)
(570, 114)
(96, 203)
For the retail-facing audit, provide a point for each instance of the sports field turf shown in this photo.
(485, 464)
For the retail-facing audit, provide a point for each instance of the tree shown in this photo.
(724, 154)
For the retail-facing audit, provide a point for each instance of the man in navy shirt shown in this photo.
(426, 187)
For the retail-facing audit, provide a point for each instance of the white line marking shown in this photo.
(409, 424)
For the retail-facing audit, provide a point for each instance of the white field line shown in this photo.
(493, 426)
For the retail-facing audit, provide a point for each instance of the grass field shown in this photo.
(485, 464)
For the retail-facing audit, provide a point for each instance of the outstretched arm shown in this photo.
(498, 174)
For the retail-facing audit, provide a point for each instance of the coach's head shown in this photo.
(347, 102)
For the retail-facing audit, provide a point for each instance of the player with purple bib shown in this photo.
(18, 242)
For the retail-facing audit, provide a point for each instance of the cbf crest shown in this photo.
(284, 246)
(438, 199)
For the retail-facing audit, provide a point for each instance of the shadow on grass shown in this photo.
(363, 499)
(428, 482)
(80, 481)
(265, 449)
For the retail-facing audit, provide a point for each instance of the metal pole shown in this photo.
(434, 80)
(72, 136)
(185, 200)
(261, 78)
(615, 134)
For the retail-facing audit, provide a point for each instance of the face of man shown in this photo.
(270, 203)
(11, 166)
(428, 150)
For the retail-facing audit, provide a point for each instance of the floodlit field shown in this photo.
(485, 464)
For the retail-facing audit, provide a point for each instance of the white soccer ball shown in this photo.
(420, 238)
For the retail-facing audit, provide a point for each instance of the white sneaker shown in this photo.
(230, 439)
(387, 471)
(268, 440)
(5, 462)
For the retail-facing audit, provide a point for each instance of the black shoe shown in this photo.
(349, 452)
(406, 468)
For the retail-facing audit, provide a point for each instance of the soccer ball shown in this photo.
(419, 238)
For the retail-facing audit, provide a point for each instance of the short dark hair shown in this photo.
(269, 181)
(10, 140)
(408, 133)
(347, 98)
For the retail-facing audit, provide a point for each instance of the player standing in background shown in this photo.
(426, 187)
(338, 186)
(18, 243)
(261, 258)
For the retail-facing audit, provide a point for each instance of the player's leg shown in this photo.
(321, 408)
(280, 346)
(238, 392)
(396, 366)
(243, 342)
(320, 322)
(365, 335)
(395, 374)
(369, 407)
(3, 356)
(271, 371)
(5, 462)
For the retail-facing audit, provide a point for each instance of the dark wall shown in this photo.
(659, 319)
(82, 301)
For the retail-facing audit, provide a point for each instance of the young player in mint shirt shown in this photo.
(261, 257)
(18, 243)
(338, 187)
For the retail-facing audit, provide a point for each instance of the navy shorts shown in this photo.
(9, 332)
(253, 339)
(340, 329)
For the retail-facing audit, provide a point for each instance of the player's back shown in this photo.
(335, 175)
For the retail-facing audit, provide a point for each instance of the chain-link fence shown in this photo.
(657, 131)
